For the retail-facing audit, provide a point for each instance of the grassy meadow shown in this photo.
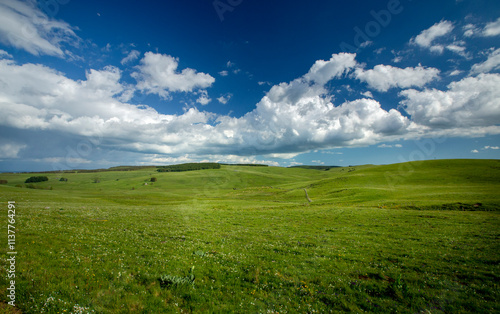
(420, 237)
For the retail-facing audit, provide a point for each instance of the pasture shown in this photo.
(419, 237)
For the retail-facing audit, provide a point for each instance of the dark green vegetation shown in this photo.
(248, 165)
(419, 237)
(189, 167)
(36, 179)
(315, 167)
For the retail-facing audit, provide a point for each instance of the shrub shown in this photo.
(189, 167)
(63, 180)
(36, 179)
(4, 181)
(153, 179)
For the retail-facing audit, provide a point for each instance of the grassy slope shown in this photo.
(261, 246)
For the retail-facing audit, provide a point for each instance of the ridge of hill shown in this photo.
(434, 183)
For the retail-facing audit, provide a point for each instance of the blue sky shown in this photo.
(92, 84)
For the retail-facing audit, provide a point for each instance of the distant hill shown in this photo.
(432, 184)
(245, 165)
(315, 167)
(118, 168)
(189, 167)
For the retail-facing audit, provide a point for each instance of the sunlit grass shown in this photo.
(255, 242)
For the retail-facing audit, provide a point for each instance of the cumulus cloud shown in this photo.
(24, 26)
(224, 73)
(367, 94)
(492, 29)
(427, 37)
(224, 98)
(390, 146)
(158, 74)
(292, 118)
(132, 56)
(492, 147)
(470, 30)
(474, 151)
(492, 63)
(325, 70)
(11, 150)
(384, 77)
(37, 97)
(204, 99)
(470, 102)
(5, 54)
(284, 123)
(459, 48)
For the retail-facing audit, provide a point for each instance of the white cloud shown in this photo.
(390, 146)
(224, 98)
(492, 29)
(470, 30)
(37, 97)
(397, 59)
(471, 102)
(474, 151)
(384, 77)
(5, 54)
(426, 38)
(203, 99)
(229, 159)
(492, 147)
(367, 94)
(24, 26)
(492, 63)
(157, 74)
(291, 118)
(62, 160)
(458, 47)
(224, 73)
(332, 153)
(366, 44)
(456, 72)
(323, 71)
(132, 56)
(11, 150)
(283, 155)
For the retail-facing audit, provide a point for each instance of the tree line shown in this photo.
(189, 167)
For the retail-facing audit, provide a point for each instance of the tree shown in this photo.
(36, 179)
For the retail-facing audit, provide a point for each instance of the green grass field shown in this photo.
(419, 237)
